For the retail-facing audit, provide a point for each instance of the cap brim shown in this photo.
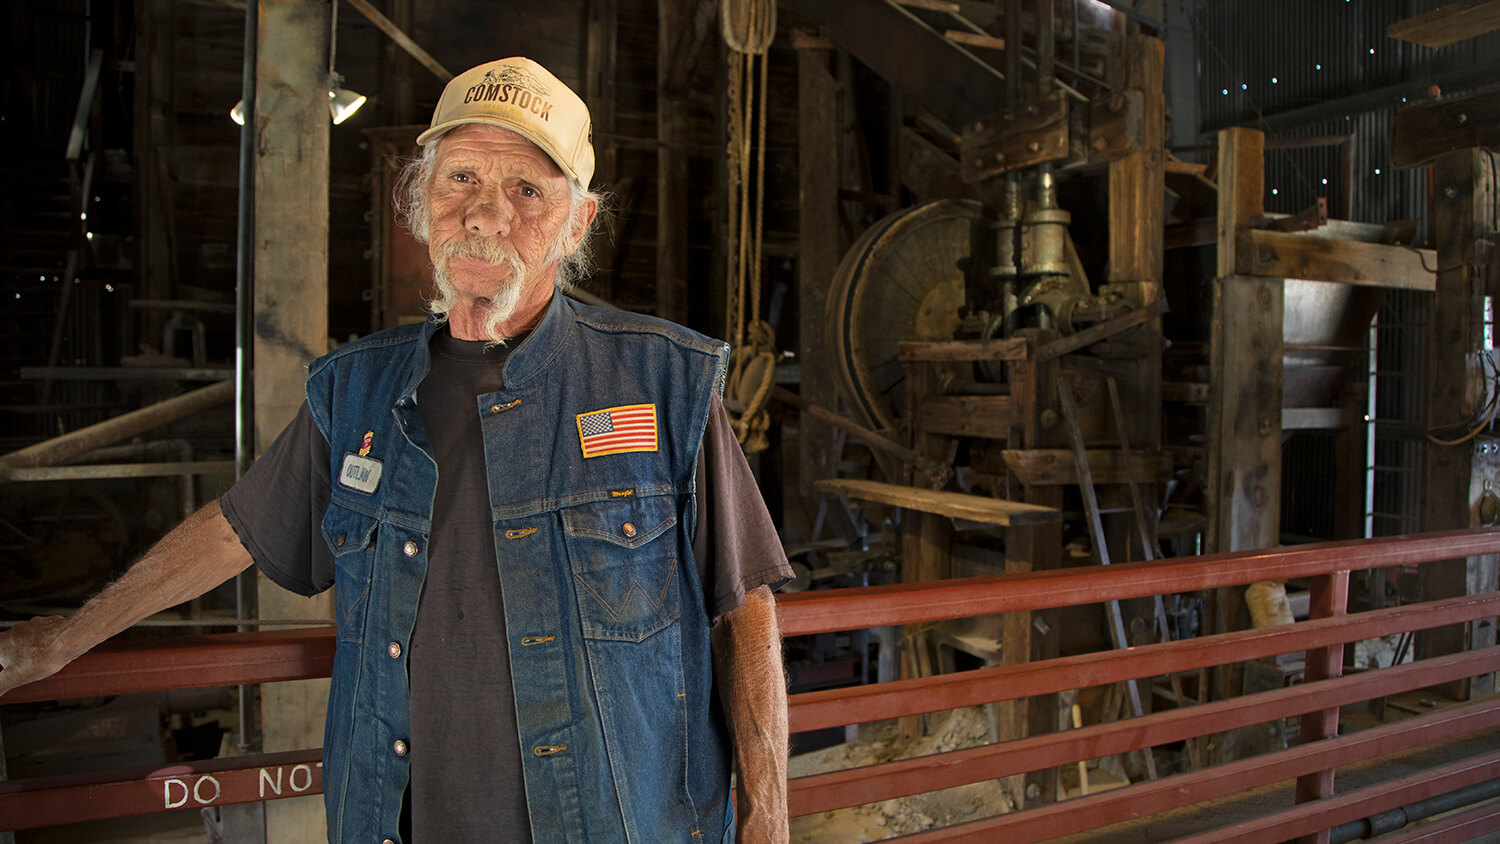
(438, 130)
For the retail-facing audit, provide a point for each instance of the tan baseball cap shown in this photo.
(520, 95)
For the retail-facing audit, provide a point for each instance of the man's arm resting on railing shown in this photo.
(193, 558)
(752, 684)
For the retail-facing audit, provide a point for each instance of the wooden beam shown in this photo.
(1426, 130)
(975, 508)
(1052, 466)
(818, 256)
(385, 25)
(1279, 255)
(291, 324)
(1033, 133)
(1104, 330)
(974, 39)
(1448, 24)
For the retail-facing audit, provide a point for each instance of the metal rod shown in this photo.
(936, 471)
(244, 321)
(121, 470)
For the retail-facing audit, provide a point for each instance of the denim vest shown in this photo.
(606, 625)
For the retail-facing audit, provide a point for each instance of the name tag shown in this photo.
(360, 473)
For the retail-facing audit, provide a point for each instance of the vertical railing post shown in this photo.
(1329, 598)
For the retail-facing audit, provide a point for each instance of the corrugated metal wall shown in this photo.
(1262, 58)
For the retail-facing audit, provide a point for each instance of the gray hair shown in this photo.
(412, 213)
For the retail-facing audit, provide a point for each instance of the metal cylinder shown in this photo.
(1045, 232)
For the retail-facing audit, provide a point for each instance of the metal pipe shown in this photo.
(68, 446)
(1394, 819)
(244, 325)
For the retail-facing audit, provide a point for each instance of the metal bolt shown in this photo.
(1031, 108)
(1462, 119)
(999, 158)
(1034, 146)
(1450, 191)
(1049, 418)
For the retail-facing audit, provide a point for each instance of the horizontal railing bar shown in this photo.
(188, 662)
(857, 786)
(1149, 798)
(826, 611)
(898, 698)
(1353, 805)
(97, 795)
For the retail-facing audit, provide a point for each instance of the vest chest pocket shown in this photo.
(623, 556)
(351, 536)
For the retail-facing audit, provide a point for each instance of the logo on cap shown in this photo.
(513, 85)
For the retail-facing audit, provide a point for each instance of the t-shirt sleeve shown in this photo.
(277, 508)
(737, 543)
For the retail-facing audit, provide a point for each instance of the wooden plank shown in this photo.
(1426, 130)
(1286, 255)
(1448, 24)
(1057, 466)
(818, 260)
(1034, 133)
(1242, 185)
(1011, 348)
(975, 508)
(385, 25)
(974, 39)
(967, 416)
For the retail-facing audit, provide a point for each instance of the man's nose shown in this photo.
(489, 213)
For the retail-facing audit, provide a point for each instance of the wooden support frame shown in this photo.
(1282, 255)
(818, 255)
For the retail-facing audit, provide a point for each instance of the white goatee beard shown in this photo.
(502, 305)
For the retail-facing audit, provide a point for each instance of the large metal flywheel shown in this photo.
(902, 280)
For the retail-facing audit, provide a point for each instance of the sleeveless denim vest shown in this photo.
(607, 629)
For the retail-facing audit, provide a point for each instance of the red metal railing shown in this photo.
(285, 655)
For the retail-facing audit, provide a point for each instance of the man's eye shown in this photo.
(529, 192)
(460, 177)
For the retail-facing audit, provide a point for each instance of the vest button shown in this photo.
(399, 747)
(394, 649)
(409, 549)
(387, 841)
(340, 541)
(628, 529)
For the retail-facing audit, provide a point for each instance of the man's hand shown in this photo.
(193, 558)
(752, 683)
(29, 652)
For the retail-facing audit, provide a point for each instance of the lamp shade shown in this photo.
(343, 102)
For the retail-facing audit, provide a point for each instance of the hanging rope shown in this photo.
(748, 27)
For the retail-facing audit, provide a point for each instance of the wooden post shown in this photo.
(1462, 211)
(1329, 598)
(674, 25)
(1027, 636)
(291, 307)
(1244, 417)
(818, 253)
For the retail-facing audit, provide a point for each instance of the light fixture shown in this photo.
(343, 102)
(237, 114)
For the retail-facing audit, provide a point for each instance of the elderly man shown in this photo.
(552, 569)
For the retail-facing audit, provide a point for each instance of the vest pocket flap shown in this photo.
(347, 530)
(627, 522)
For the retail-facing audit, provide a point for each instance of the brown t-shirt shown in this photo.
(465, 756)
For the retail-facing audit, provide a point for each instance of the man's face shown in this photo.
(500, 220)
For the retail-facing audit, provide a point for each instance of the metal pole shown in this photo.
(244, 325)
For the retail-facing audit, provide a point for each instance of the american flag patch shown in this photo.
(618, 429)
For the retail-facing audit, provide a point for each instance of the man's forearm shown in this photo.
(193, 558)
(754, 691)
